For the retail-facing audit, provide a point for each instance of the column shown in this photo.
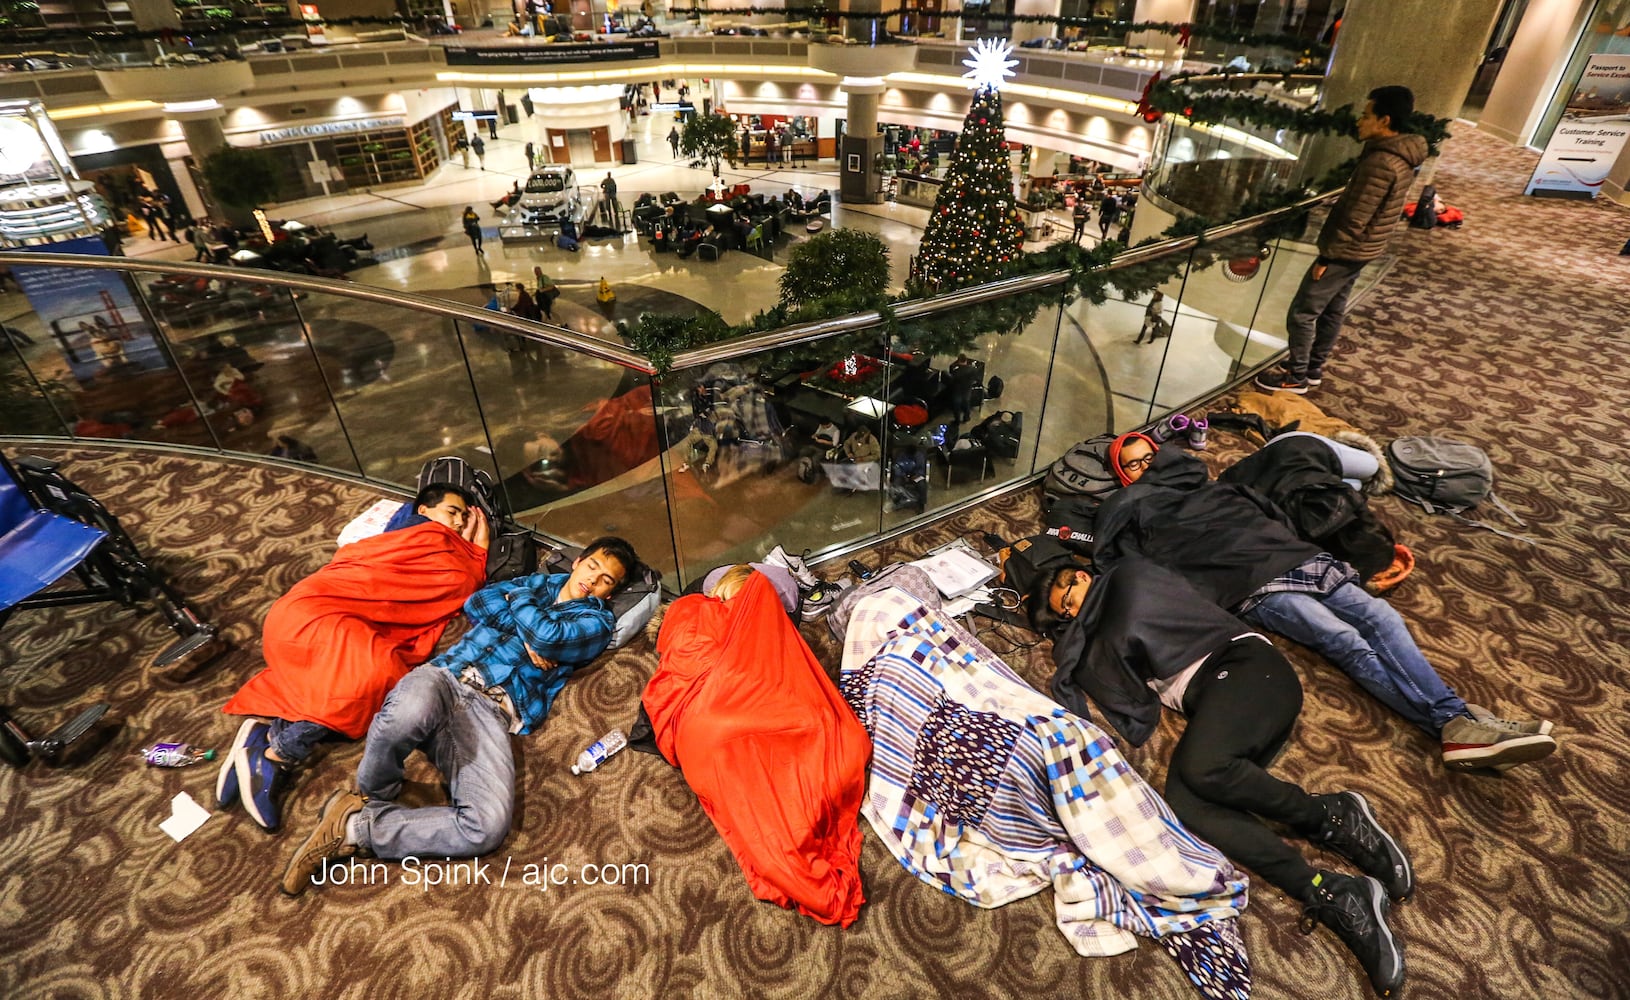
(858, 182)
(1161, 46)
(1538, 52)
(203, 133)
(1024, 31)
(1431, 47)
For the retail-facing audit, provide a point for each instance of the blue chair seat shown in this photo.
(36, 552)
(36, 547)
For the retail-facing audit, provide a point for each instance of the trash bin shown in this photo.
(628, 151)
(514, 114)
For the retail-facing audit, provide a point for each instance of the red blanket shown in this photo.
(771, 750)
(340, 639)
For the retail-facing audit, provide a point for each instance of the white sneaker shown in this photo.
(1527, 728)
(795, 565)
(819, 601)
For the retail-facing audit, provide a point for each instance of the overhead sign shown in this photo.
(1594, 128)
(475, 116)
(554, 54)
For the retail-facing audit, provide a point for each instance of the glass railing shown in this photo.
(1212, 169)
(822, 437)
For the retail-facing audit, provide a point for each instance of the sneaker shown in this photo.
(819, 601)
(1527, 727)
(1351, 831)
(1172, 426)
(1197, 433)
(1281, 381)
(1356, 909)
(1469, 744)
(795, 565)
(226, 781)
(323, 844)
(1315, 379)
(260, 784)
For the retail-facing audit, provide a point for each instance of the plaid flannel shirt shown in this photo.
(509, 616)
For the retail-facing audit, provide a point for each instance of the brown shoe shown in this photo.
(325, 843)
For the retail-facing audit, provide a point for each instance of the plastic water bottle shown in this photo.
(598, 751)
(175, 754)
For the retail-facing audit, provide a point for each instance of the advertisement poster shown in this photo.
(1593, 129)
(91, 314)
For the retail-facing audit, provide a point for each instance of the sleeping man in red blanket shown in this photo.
(772, 751)
(340, 639)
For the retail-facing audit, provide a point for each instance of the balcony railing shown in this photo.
(713, 461)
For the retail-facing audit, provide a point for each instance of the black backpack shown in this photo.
(1426, 213)
(511, 549)
(1000, 433)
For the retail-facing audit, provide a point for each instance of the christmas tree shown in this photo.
(974, 231)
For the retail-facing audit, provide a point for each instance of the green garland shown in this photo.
(1177, 96)
(1095, 25)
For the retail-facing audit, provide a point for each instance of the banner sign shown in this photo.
(318, 130)
(91, 314)
(554, 54)
(1594, 127)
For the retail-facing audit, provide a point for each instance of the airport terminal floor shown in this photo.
(1510, 332)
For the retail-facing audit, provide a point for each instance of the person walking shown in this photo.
(463, 147)
(472, 228)
(673, 140)
(1082, 213)
(545, 292)
(1356, 232)
(746, 147)
(531, 157)
(199, 236)
(480, 148)
(1108, 212)
(608, 191)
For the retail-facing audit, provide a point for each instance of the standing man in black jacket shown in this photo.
(1356, 233)
(1138, 637)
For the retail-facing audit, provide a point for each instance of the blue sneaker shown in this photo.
(260, 783)
(226, 782)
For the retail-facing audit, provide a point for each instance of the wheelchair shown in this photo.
(50, 527)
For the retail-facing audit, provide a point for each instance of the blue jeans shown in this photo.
(1370, 643)
(467, 737)
(294, 741)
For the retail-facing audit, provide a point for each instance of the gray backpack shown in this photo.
(1442, 475)
(1083, 471)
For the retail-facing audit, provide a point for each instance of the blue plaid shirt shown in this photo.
(509, 616)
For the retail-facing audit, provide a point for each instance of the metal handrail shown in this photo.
(803, 333)
(345, 289)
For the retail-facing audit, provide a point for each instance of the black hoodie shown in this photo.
(1225, 539)
(1137, 622)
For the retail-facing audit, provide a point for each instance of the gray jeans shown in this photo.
(466, 736)
(1315, 317)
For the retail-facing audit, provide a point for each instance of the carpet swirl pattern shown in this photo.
(1510, 332)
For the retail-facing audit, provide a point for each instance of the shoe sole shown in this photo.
(240, 762)
(1396, 849)
(226, 781)
(1379, 906)
(296, 867)
(1300, 390)
(1506, 753)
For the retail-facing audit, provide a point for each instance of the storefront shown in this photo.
(334, 157)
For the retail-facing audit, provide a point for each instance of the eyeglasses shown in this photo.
(1134, 464)
(462, 513)
(1069, 604)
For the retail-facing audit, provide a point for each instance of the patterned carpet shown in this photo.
(1511, 332)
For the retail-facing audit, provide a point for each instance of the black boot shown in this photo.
(1351, 831)
(1356, 909)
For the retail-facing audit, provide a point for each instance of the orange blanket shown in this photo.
(772, 751)
(340, 639)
